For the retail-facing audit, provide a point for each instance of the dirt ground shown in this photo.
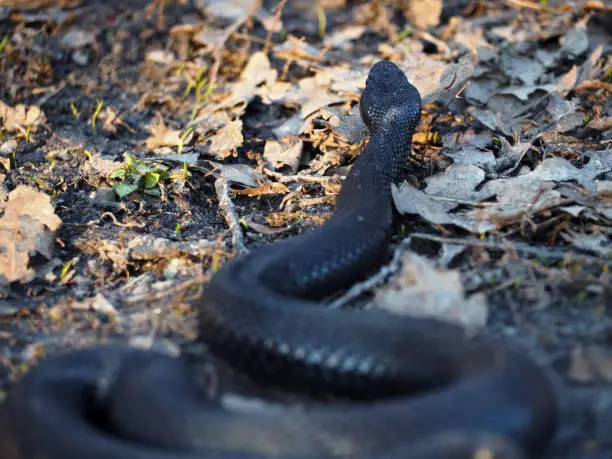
(143, 143)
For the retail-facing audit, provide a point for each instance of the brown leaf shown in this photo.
(20, 117)
(286, 151)
(227, 139)
(422, 13)
(265, 189)
(164, 136)
(26, 227)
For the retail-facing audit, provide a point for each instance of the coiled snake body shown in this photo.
(424, 390)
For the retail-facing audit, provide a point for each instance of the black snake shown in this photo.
(422, 388)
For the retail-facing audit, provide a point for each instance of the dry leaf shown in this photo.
(422, 290)
(21, 117)
(242, 174)
(589, 364)
(286, 151)
(27, 227)
(422, 13)
(227, 140)
(164, 136)
(265, 189)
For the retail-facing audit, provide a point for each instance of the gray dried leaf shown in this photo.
(449, 252)
(596, 243)
(189, 158)
(575, 43)
(77, 38)
(574, 210)
(458, 181)
(149, 247)
(6, 309)
(523, 92)
(286, 151)
(210, 121)
(452, 80)
(210, 38)
(569, 122)
(238, 173)
(494, 121)
(588, 68)
(510, 156)
(293, 126)
(508, 107)
(349, 126)
(422, 290)
(536, 190)
(312, 94)
(546, 58)
(559, 107)
(343, 37)
(527, 70)
(473, 156)
(409, 200)
(517, 195)
(480, 90)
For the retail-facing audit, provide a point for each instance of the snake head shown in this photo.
(389, 99)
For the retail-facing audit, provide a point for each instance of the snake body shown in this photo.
(423, 389)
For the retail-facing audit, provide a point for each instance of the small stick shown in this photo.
(229, 31)
(301, 177)
(381, 276)
(277, 16)
(517, 247)
(229, 213)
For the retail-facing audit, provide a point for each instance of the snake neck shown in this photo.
(377, 167)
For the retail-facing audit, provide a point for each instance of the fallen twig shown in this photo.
(115, 221)
(229, 213)
(517, 247)
(301, 177)
(217, 53)
(381, 276)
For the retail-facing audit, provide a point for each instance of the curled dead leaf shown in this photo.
(164, 136)
(227, 140)
(21, 117)
(27, 226)
(265, 189)
(422, 290)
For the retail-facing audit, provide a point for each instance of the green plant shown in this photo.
(74, 110)
(184, 174)
(99, 106)
(183, 137)
(199, 84)
(138, 175)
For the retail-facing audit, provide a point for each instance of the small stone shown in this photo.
(80, 57)
(8, 147)
(104, 195)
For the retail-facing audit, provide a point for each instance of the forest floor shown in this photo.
(144, 143)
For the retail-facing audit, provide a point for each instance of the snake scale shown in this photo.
(420, 388)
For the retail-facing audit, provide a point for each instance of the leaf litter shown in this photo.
(510, 180)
